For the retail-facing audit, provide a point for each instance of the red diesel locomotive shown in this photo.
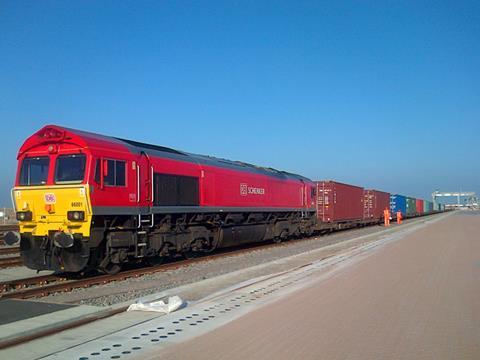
(88, 201)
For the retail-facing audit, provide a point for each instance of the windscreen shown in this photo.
(34, 171)
(70, 169)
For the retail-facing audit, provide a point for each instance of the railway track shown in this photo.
(41, 286)
(9, 227)
(32, 281)
(9, 250)
(6, 262)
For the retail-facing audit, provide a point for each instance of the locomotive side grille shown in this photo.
(175, 190)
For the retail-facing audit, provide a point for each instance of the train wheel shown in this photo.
(189, 255)
(283, 237)
(155, 260)
(111, 269)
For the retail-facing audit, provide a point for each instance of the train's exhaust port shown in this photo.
(62, 239)
(12, 237)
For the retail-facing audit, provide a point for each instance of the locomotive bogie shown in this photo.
(41, 253)
(184, 234)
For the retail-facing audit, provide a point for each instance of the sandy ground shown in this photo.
(418, 298)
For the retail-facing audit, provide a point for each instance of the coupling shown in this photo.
(62, 239)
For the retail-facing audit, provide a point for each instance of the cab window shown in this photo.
(70, 169)
(115, 174)
(34, 171)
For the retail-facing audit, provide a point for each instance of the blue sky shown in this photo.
(379, 94)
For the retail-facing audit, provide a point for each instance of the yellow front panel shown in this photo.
(49, 206)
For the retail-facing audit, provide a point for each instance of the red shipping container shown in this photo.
(419, 206)
(337, 202)
(375, 202)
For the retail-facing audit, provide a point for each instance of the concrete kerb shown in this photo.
(33, 327)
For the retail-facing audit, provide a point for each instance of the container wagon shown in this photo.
(419, 204)
(398, 203)
(338, 205)
(437, 206)
(375, 202)
(411, 207)
(427, 207)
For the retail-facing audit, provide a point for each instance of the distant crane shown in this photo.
(470, 201)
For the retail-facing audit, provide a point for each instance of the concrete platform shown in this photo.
(12, 310)
(22, 318)
(414, 299)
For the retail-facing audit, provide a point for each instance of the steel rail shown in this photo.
(31, 281)
(10, 262)
(10, 227)
(9, 250)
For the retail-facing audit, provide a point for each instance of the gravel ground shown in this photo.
(134, 288)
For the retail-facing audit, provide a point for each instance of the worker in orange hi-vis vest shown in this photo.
(399, 217)
(386, 217)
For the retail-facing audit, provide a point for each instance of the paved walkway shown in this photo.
(417, 298)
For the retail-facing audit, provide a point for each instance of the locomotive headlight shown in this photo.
(76, 215)
(24, 215)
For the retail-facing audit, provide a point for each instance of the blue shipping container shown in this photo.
(398, 203)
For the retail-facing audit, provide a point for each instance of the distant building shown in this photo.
(7, 216)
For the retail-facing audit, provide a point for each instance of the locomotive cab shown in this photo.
(51, 199)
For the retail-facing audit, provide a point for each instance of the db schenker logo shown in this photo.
(246, 190)
(50, 198)
(243, 189)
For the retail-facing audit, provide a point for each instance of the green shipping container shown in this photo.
(427, 207)
(411, 206)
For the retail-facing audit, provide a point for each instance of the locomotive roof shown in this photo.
(207, 160)
(97, 140)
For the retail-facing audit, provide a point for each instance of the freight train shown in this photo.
(86, 201)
